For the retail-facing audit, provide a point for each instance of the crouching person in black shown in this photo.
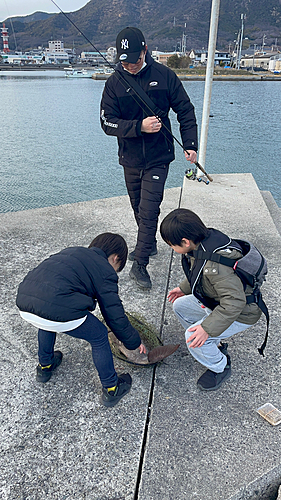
(58, 295)
(211, 302)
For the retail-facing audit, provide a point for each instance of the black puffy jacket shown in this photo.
(122, 116)
(67, 285)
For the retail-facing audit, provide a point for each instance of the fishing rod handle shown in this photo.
(204, 171)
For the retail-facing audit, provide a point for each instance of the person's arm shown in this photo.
(113, 312)
(229, 289)
(111, 119)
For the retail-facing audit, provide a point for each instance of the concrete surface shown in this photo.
(165, 440)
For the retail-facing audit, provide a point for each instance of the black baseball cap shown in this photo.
(129, 44)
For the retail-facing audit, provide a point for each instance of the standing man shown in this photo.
(145, 146)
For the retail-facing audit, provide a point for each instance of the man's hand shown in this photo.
(142, 349)
(175, 294)
(199, 336)
(191, 155)
(151, 125)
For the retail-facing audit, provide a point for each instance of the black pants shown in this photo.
(145, 189)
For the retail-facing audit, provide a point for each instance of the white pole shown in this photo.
(241, 41)
(209, 80)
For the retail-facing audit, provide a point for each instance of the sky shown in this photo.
(10, 8)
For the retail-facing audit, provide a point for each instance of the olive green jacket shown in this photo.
(221, 283)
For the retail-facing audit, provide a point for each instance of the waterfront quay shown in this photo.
(166, 440)
(220, 76)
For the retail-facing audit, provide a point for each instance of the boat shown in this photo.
(77, 73)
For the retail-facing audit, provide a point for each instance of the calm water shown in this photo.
(53, 150)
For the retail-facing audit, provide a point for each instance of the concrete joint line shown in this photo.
(148, 413)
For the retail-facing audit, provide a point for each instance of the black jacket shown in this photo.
(122, 116)
(67, 285)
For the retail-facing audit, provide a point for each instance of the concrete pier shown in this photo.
(166, 440)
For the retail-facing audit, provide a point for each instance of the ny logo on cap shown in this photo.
(124, 43)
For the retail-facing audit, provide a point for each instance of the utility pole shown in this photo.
(254, 57)
(263, 42)
(209, 80)
(236, 48)
(241, 41)
(183, 45)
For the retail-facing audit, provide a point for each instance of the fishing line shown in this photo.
(125, 85)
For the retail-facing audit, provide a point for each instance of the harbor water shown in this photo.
(53, 150)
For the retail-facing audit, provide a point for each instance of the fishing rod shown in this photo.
(125, 85)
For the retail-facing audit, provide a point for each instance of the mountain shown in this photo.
(36, 16)
(163, 22)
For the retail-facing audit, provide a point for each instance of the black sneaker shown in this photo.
(140, 275)
(211, 381)
(223, 348)
(111, 398)
(44, 373)
(153, 252)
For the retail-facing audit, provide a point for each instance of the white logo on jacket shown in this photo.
(153, 84)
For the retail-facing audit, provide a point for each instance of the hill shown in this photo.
(163, 23)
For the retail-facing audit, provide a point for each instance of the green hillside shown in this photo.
(163, 23)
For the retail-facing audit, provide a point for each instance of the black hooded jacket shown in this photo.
(122, 116)
(67, 285)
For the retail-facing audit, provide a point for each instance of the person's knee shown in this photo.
(179, 305)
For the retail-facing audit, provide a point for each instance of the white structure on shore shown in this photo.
(98, 58)
(162, 57)
(56, 53)
(201, 56)
(263, 60)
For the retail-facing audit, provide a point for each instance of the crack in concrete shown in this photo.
(148, 414)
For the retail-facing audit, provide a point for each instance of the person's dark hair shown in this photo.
(111, 243)
(183, 223)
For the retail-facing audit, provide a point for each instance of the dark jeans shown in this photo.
(95, 333)
(145, 189)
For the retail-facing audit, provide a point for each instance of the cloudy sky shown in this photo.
(10, 8)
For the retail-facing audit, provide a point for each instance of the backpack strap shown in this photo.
(257, 299)
(214, 257)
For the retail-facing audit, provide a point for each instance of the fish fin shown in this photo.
(161, 352)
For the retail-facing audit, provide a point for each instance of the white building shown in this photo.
(162, 57)
(56, 54)
(19, 58)
(97, 58)
(263, 60)
(201, 57)
(275, 64)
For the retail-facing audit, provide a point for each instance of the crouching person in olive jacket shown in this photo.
(211, 302)
(58, 295)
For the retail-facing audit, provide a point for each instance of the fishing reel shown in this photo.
(191, 174)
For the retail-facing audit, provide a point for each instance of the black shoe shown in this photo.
(140, 275)
(211, 381)
(223, 348)
(111, 398)
(44, 373)
(153, 252)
